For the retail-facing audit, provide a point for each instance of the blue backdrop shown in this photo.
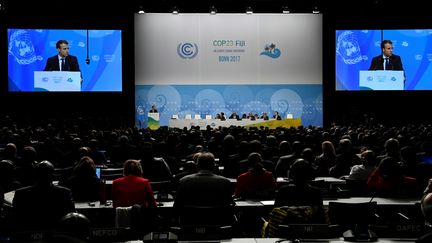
(303, 101)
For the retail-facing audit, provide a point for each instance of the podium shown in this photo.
(57, 81)
(153, 121)
(381, 80)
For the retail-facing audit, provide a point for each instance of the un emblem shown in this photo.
(187, 50)
(21, 47)
(348, 48)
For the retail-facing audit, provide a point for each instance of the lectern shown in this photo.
(153, 121)
(57, 81)
(382, 80)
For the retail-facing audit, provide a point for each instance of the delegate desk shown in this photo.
(104, 215)
(214, 123)
(381, 201)
(328, 182)
(274, 240)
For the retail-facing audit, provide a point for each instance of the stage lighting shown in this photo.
(285, 10)
(315, 10)
(249, 10)
(141, 10)
(213, 10)
(175, 10)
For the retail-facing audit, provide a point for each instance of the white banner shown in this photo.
(228, 49)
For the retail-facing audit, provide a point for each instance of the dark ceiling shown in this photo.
(95, 7)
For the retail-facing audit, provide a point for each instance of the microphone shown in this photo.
(373, 196)
(403, 216)
(88, 58)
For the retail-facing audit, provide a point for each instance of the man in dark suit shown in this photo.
(204, 189)
(62, 61)
(153, 109)
(234, 116)
(40, 207)
(387, 60)
(277, 116)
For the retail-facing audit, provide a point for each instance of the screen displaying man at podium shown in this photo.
(57, 60)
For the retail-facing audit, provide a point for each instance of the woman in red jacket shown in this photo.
(132, 188)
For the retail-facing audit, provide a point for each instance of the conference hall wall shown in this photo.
(206, 64)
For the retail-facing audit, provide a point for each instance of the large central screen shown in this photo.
(93, 63)
(355, 50)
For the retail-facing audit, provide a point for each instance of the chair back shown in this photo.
(207, 215)
(123, 217)
(206, 222)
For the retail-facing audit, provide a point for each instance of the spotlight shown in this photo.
(315, 10)
(249, 10)
(141, 10)
(213, 10)
(285, 10)
(175, 10)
